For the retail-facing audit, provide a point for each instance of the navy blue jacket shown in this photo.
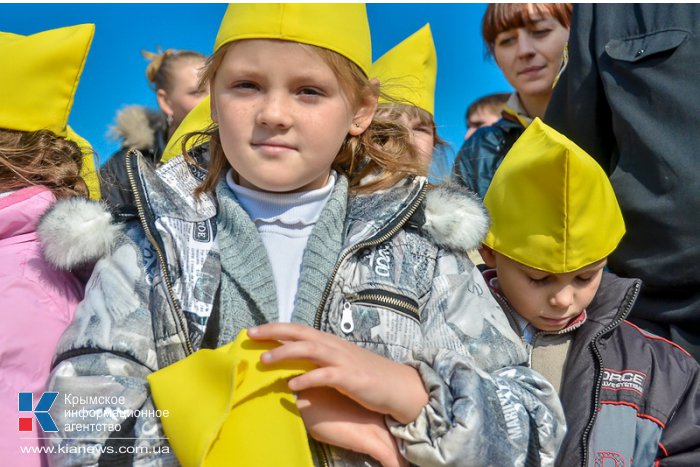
(481, 154)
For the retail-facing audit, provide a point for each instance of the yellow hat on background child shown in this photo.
(198, 119)
(88, 170)
(409, 70)
(40, 74)
(552, 206)
(340, 27)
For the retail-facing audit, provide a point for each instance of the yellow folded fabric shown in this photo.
(226, 408)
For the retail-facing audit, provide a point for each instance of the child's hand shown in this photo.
(334, 419)
(367, 378)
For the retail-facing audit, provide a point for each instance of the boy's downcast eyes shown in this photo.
(539, 280)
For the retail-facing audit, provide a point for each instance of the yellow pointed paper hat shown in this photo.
(552, 206)
(340, 27)
(409, 70)
(197, 119)
(40, 74)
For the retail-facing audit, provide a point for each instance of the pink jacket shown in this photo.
(37, 303)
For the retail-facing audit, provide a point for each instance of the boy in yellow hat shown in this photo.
(404, 357)
(629, 397)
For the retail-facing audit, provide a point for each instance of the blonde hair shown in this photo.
(160, 69)
(394, 111)
(383, 149)
(41, 158)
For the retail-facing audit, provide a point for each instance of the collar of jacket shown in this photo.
(138, 127)
(610, 306)
(451, 215)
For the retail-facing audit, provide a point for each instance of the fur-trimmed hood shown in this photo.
(76, 232)
(455, 217)
(139, 127)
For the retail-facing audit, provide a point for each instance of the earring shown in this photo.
(169, 119)
(357, 125)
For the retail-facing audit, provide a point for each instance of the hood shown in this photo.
(76, 232)
(139, 127)
(20, 211)
(455, 218)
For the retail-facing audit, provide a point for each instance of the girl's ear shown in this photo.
(364, 113)
(488, 255)
(164, 102)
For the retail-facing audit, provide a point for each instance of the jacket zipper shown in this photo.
(320, 452)
(383, 298)
(161, 257)
(599, 375)
(371, 242)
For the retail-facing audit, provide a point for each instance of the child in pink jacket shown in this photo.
(38, 165)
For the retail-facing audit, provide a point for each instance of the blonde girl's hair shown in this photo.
(160, 70)
(40, 158)
(383, 150)
(393, 112)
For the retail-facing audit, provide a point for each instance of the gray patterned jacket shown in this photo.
(399, 288)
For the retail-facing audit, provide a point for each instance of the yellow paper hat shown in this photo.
(340, 27)
(226, 408)
(88, 170)
(409, 70)
(552, 206)
(197, 119)
(40, 74)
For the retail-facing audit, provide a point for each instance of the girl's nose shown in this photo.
(274, 112)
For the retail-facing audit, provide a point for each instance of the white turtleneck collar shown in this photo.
(290, 209)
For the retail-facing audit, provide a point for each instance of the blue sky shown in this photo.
(114, 73)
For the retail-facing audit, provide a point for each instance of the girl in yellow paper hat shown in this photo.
(41, 160)
(407, 75)
(371, 337)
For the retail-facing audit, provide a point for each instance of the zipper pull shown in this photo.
(346, 322)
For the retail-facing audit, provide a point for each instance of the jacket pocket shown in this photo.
(384, 322)
(385, 299)
(634, 49)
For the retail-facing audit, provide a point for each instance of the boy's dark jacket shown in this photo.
(630, 397)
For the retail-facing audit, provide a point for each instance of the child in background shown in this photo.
(364, 281)
(407, 75)
(485, 111)
(174, 76)
(630, 398)
(39, 163)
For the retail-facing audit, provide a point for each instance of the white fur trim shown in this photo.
(76, 231)
(134, 127)
(455, 217)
